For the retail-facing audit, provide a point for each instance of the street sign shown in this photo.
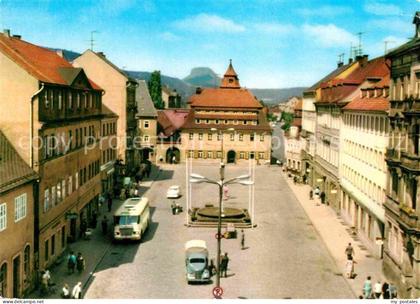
(217, 292)
(218, 236)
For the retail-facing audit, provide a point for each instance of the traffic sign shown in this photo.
(217, 292)
(218, 236)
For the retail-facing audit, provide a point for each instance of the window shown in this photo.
(262, 137)
(70, 185)
(59, 197)
(76, 180)
(191, 136)
(27, 260)
(53, 245)
(241, 137)
(191, 154)
(219, 137)
(146, 138)
(53, 197)
(200, 136)
(209, 154)
(200, 154)
(3, 216)
(3, 280)
(46, 250)
(209, 136)
(219, 154)
(146, 124)
(20, 207)
(251, 137)
(232, 137)
(241, 155)
(63, 188)
(261, 155)
(46, 200)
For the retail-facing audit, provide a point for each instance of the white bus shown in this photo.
(132, 219)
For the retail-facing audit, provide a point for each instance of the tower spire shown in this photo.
(230, 79)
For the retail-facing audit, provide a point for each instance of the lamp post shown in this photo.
(242, 180)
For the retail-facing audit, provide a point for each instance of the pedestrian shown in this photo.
(104, 224)
(101, 200)
(367, 288)
(316, 192)
(311, 195)
(322, 196)
(378, 290)
(392, 291)
(304, 178)
(173, 207)
(94, 220)
(295, 179)
(385, 291)
(349, 252)
(212, 268)
(109, 203)
(224, 265)
(71, 262)
(242, 239)
(45, 280)
(77, 291)
(83, 227)
(174, 159)
(350, 269)
(65, 292)
(80, 263)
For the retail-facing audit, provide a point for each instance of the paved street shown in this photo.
(278, 143)
(285, 257)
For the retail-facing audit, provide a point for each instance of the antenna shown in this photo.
(92, 41)
(359, 51)
(386, 42)
(340, 58)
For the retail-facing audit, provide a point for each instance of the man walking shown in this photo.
(77, 291)
(242, 239)
(349, 252)
(224, 265)
(109, 202)
(71, 262)
(322, 196)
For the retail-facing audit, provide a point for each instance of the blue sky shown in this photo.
(273, 43)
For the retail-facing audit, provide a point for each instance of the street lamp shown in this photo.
(242, 180)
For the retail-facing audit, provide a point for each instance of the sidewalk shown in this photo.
(93, 250)
(335, 234)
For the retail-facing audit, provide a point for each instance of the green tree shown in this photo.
(155, 90)
(287, 119)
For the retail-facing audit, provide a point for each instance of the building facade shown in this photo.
(55, 128)
(119, 97)
(402, 210)
(147, 122)
(363, 170)
(226, 123)
(17, 219)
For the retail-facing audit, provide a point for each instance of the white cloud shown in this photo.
(325, 11)
(209, 23)
(168, 36)
(391, 24)
(328, 35)
(382, 9)
(275, 28)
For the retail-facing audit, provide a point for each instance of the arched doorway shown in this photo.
(172, 155)
(231, 157)
(146, 153)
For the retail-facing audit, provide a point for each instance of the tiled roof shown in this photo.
(331, 75)
(368, 104)
(225, 98)
(13, 169)
(145, 106)
(42, 63)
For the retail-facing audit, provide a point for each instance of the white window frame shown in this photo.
(46, 200)
(191, 136)
(63, 188)
(3, 216)
(146, 138)
(20, 207)
(53, 196)
(70, 184)
(146, 124)
(59, 193)
(76, 180)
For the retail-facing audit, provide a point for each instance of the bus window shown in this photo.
(129, 220)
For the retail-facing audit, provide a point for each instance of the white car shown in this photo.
(173, 192)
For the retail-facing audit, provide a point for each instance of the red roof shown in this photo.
(368, 104)
(225, 98)
(41, 63)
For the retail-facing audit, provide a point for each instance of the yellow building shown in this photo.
(226, 123)
(17, 219)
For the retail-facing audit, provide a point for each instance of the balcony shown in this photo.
(408, 216)
(410, 161)
(391, 154)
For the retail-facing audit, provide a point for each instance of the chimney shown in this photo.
(340, 64)
(6, 32)
(362, 59)
(198, 90)
(350, 60)
(416, 21)
(17, 36)
(101, 54)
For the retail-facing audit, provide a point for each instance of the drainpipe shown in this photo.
(31, 119)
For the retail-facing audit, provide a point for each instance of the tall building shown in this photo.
(402, 210)
(230, 112)
(294, 142)
(334, 95)
(363, 171)
(119, 97)
(54, 128)
(17, 219)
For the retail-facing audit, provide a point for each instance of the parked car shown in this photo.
(173, 192)
(196, 261)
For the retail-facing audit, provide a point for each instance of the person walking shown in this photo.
(109, 202)
(65, 292)
(45, 280)
(80, 262)
(392, 291)
(378, 290)
(224, 265)
(349, 252)
(311, 195)
(104, 224)
(367, 288)
(71, 262)
(350, 269)
(385, 291)
(317, 192)
(322, 196)
(77, 291)
(242, 239)
(83, 228)
(212, 268)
